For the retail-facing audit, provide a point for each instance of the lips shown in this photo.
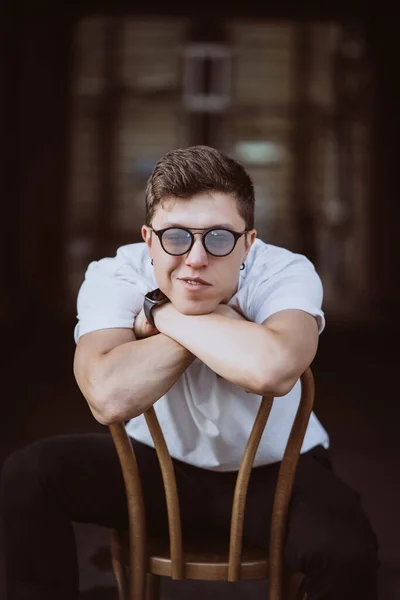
(196, 279)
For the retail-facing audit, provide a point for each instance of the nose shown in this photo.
(197, 257)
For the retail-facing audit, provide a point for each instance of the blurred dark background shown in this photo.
(305, 95)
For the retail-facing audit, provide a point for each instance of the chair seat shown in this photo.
(207, 559)
(204, 558)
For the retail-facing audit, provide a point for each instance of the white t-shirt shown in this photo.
(205, 419)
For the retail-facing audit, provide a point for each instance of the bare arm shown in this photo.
(263, 359)
(121, 376)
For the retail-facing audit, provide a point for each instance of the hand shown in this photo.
(228, 311)
(142, 328)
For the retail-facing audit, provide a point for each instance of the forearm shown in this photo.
(245, 353)
(132, 376)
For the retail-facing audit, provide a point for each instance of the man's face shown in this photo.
(221, 274)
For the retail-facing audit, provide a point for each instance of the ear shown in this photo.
(251, 236)
(146, 235)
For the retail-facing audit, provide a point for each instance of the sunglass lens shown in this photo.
(176, 241)
(219, 242)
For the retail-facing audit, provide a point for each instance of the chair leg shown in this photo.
(153, 586)
(119, 566)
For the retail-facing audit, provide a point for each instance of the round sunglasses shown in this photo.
(179, 240)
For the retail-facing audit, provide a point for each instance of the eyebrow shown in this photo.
(218, 226)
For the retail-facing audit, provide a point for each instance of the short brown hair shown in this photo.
(185, 172)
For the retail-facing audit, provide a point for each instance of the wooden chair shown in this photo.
(139, 562)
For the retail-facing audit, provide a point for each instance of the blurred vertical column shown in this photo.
(207, 82)
(340, 94)
(9, 255)
(38, 62)
(127, 113)
(303, 118)
(384, 242)
(150, 121)
(110, 106)
(87, 93)
(260, 124)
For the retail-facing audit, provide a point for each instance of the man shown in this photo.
(200, 320)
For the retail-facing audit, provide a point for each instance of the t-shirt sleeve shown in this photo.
(110, 297)
(296, 286)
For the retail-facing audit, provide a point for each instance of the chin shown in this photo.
(196, 307)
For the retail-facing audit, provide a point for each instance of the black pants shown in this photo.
(77, 478)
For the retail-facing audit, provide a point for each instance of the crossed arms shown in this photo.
(122, 372)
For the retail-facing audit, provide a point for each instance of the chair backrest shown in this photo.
(136, 510)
